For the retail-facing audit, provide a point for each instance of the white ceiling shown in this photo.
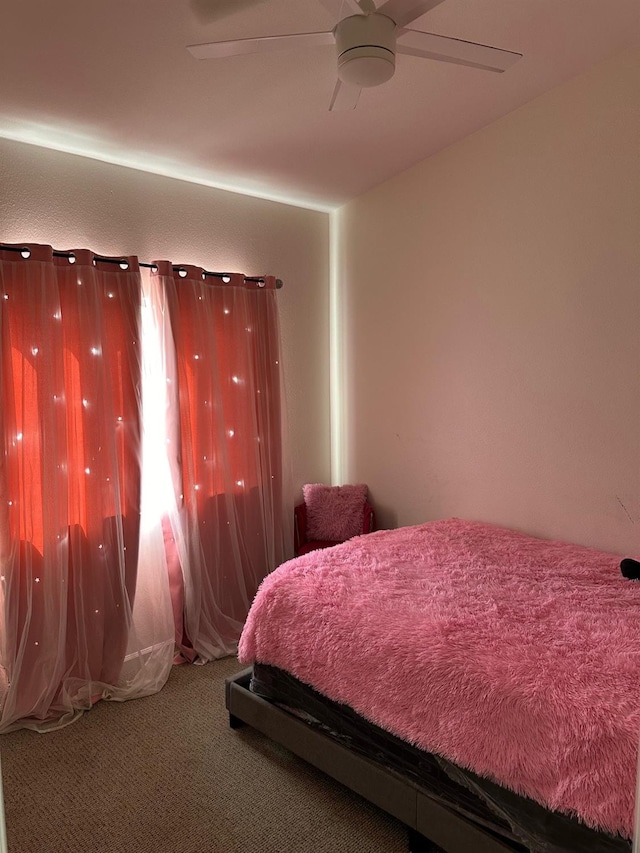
(112, 79)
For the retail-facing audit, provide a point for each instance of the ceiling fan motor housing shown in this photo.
(366, 49)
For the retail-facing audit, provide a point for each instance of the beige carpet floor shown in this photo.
(165, 774)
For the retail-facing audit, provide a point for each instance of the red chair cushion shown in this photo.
(334, 513)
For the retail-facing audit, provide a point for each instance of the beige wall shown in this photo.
(69, 201)
(491, 322)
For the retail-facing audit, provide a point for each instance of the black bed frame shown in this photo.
(431, 826)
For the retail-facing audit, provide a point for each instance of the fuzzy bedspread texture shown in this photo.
(515, 657)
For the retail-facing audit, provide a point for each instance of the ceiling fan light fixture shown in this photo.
(366, 66)
(366, 49)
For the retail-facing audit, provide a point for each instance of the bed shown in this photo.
(478, 683)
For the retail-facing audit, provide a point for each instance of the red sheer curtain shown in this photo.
(69, 479)
(230, 528)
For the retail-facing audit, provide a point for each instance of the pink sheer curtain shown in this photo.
(232, 519)
(70, 483)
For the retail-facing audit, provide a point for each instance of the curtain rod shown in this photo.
(58, 254)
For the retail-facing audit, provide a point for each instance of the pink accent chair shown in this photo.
(302, 545)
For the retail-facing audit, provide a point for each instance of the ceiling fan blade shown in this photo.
(267, 44)
(444, 49)
(345, 97)
(207, 11)
(405, 11)
(342, 8)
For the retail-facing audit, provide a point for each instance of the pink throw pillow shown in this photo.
(334, 513)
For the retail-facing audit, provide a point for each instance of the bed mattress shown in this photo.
(508, 656)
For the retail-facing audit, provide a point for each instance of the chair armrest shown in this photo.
(299, 527)
(369, 519)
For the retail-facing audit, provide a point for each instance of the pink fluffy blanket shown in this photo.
(512, 656)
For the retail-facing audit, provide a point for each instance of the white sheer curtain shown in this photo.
(85, 604)
(230, 512)
(144, 491)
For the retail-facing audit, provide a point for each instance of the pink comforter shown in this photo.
(515, 657)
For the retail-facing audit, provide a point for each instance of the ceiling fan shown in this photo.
(367, 42)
